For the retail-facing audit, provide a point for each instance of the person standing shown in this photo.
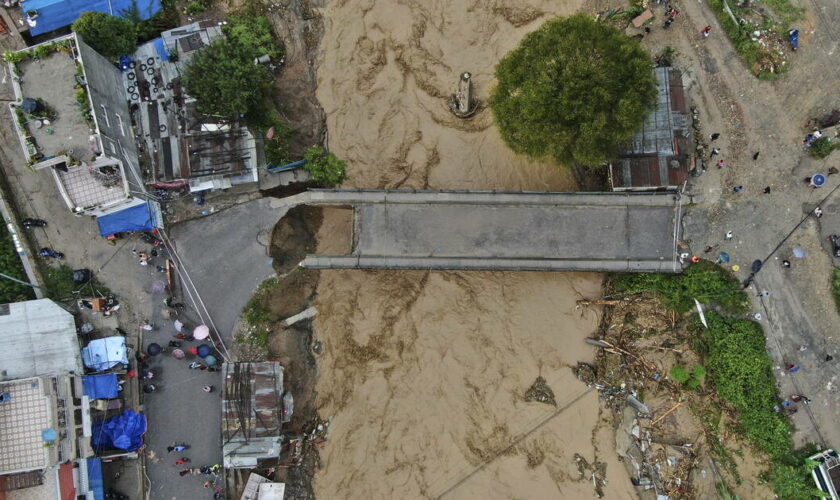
(767, 190)
(705, 31)
(721, 164)
(755, 155)
(729, 235)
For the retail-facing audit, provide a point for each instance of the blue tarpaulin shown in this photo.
(95, 482)
(103, 386)
(160, 48)
(124, 432)
(55, 14)
(103, 354)
(135, 218)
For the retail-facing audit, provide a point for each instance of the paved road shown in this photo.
(226, 254)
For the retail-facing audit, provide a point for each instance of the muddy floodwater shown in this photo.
(424, 374)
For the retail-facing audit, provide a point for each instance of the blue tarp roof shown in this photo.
(95, 482)
(124, 431)
(105, 353)
(103, 386)
(136, 218)
(161, 49)
(55, 14)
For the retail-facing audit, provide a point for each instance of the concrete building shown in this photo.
(70, 122)
(179, 145)
(659, 156)
(43, 431)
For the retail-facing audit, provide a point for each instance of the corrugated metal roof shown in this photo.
(38, 338)
(55, 14)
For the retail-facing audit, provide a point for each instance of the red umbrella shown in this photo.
(193, 351)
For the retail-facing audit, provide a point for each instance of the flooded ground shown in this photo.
(424, 373)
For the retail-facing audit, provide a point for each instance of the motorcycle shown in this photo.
(49, 252)
(793, 38)
(27, 223)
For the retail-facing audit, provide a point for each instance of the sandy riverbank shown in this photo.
(424, 373)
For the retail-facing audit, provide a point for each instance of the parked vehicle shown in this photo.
(49, 252)
(33, 223)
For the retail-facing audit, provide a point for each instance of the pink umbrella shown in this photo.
(201, 332)
(178, 354)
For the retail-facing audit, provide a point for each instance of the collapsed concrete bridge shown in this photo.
(504, 230)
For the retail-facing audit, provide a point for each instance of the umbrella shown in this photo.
(154, 349)
(201, 332)
(799, 252)
(817, 180)
(210, 360)
(178, 326)
(193, 351)
(756, 266)
(723, 257)
(178, 354)
(204, 350)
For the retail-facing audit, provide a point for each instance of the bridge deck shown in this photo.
(507, 231)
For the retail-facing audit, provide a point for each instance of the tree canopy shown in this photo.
(225, 81)
(574, 90)
(109, 35)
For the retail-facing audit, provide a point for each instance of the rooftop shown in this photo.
(180, 143)
(55, 14)
(38, 338)
(53, 79)
(22, 420)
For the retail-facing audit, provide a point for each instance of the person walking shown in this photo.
(738, 189)
(705, 31)
(729, 235)
(715, 151)
(207, 388)
(180, 447)
(182, 461)
(755, 155)
(767, 190)
(714, 136)
(721, 164)
(763, 293)
(786, 264)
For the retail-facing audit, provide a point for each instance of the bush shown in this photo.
(573, 90)
(255, 34)
(794, 482)
(11, 265)
(15, 57)
(822, 147)
(109, 35)
(703, 281)
(325, 167)
(690, 379)
(835, 286)
(742, 373)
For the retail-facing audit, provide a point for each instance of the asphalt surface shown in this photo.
(226, 254)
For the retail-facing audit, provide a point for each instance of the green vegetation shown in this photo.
(109, 35)
(324, 166)
(223, 77)
(164, 19)
(277, 151)
(763, 59)
(822, 147)
(704, 281)
(11, 265)
(573, 90)
(15, 57)
(835, 286)
(690, 379)
(257, 316)
(739, 368)
(60, 286)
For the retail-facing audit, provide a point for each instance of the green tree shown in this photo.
(794, 482)
(110, 36)
(255, 34)
(574, 90)
(225, 81)
(325, 167)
